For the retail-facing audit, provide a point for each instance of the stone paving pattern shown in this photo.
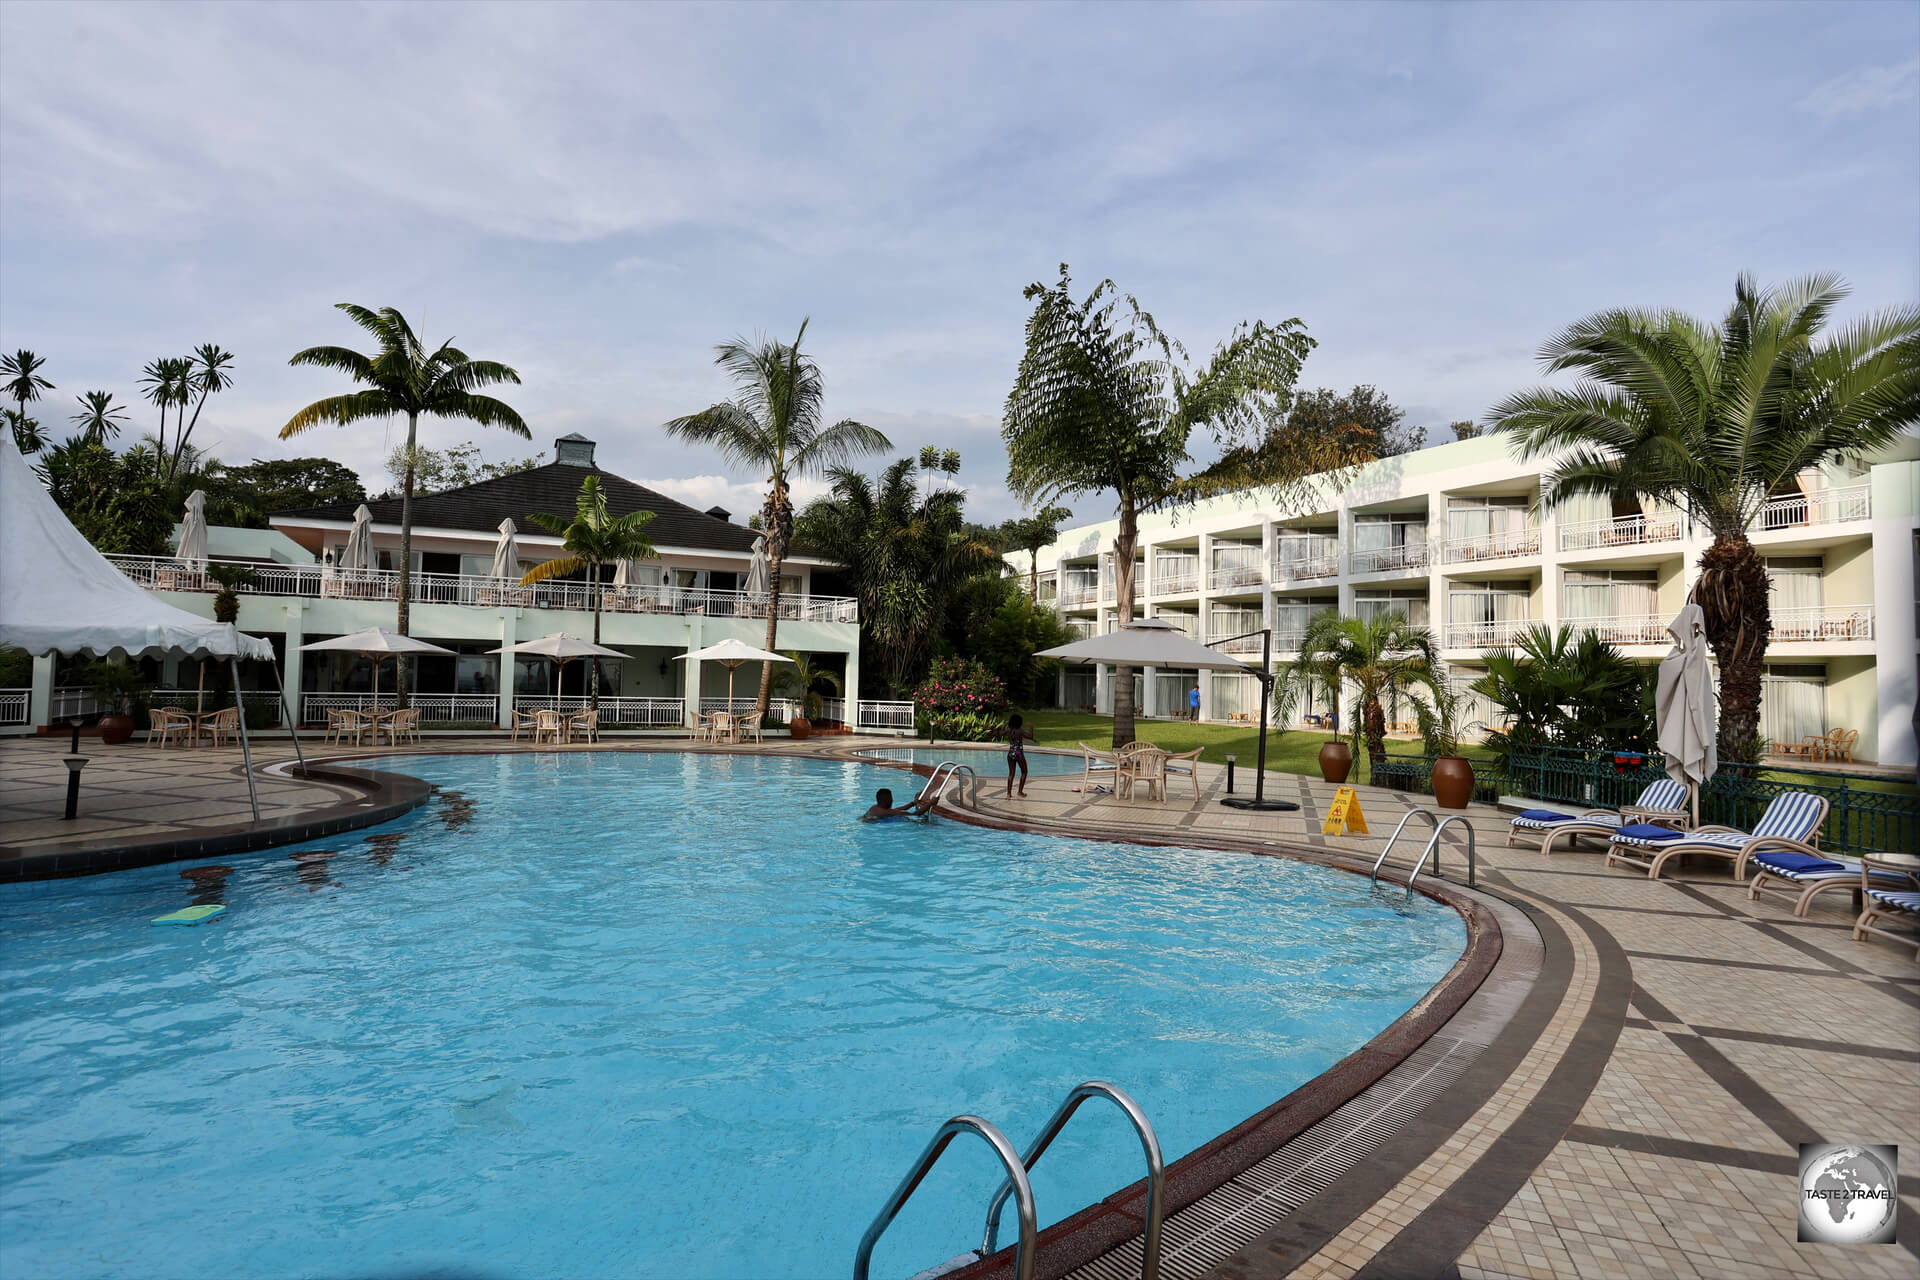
(1743, 1031)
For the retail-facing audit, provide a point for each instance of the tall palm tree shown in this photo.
(1031, 533)
(165, 385)
(592, 538)
(1713, 418)
(1381, 658)
(99, 417)
(207, 373)
(775, 425)
(405, 378)
(907, 553)
(23, 386)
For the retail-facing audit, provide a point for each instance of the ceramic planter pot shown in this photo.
(115, 728)
(1452, 782)
(800, 727)
(1336, 761)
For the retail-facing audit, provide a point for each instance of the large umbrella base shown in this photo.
(1259, 806)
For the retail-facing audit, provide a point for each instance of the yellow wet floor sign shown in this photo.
(1345, 818)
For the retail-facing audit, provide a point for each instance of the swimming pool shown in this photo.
(988, 762)
(623, 1014)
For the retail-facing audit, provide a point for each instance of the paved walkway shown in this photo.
(1636, 1113)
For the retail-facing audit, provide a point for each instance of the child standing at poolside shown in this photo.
(1018, 735)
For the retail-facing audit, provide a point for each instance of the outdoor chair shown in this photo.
(1840, 745)
(342, 724)
(1791, 824)
(1665, 803)
(165, 722)
(225, 723)
(726, 727)
(1142, 763)
(1101, 767)
(524, 722)
(550, 726)
(585, 723)
(748, 725)
(1804, 877)
(1185, 765)
(402, 724)
(1882, 904)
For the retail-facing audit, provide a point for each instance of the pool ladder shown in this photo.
(948, 771)
(1020, 1189)
(1432, 850)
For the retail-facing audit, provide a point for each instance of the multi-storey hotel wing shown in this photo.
(1457, 538)
(688, 598)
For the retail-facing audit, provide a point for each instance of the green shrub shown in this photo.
(961, 726)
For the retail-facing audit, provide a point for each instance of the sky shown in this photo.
(598, 194)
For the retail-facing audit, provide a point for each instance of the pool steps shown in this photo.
(1018, 1187)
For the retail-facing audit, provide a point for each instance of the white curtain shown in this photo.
(1792, 707)
(1235, 555)
(1607, 595)
(1485, 605)
(1415, 608)
(1234, 695)
(1486, 518)
(1383, 533)
(1793, 586)
(1293, 617)
(1171, 689)
(1303, 546)
(1232, 622)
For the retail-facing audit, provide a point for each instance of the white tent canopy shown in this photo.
(59, 595)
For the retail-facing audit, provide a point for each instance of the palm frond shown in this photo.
(559, 568)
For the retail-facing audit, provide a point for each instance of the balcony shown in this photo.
(1081, 629)
(1236, 577)
(314, 582)
(1621, 531)
(1626, 628)
(1243, 646)
(1504, 544)
(1486, 635)
(1078, 592)
(1828, 506)
(1176, 582)
(1306, 559)
(1411, 555)
(1822, 622)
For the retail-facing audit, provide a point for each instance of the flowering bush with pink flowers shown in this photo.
(960, 699)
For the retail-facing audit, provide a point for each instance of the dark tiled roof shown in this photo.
(553, 489)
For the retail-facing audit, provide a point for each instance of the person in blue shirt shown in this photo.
(1193, 703)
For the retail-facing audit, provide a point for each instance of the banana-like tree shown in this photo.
(99, 418)
(1381, 659)
(1104, 402)
(23, 386)
(1713, 418)
(404, 378)
(776, 425)
(593, 538)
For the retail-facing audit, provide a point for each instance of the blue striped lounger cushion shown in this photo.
(1904, 899)
(1794, 815)
(1646, 833)
(1795, 865)
(1664, 794)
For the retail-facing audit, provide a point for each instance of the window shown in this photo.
(1793, 702)
(1794, 582)
(1412, 604)
(1612, 593)
(1486, 518)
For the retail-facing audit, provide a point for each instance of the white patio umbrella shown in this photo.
(1683, 705)
(757, 569)
(193, 532)
(506, 552)
(730, 654)
(358, 553)
(376, 643)
(561, 648)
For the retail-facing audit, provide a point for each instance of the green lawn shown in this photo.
(1291, 751)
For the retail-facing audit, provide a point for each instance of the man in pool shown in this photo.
(883, 807)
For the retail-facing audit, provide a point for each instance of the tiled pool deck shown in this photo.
(1622, 1098)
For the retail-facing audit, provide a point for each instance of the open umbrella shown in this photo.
(561, 648)
(1683, 705)
(358, 553)
(193, 532)
(376, 644)
(730, 654)
(506, 552)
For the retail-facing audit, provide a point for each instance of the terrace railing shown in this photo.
(615, 713)
(1078, 591)
(1310, 567)
(1242, 646)
(1625, 628)
(1176, 582)
(73, 700)
(1411, 555)
(1864, 815)
(14, 704)
(1823, 622)
(1234, 577)
(1486, 635)
(1621, 531)
(1828, 506)
(886, 716)
(1505, 544)
(316, 582)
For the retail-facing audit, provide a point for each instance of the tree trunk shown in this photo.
(1732, 593)
(593, 692)
(778, 519)
(402, 666)
(1123, 545)
(1374, 722)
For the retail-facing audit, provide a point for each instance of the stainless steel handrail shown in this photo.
(944, 772)
(1433, 847)
(1387, 848)
(1149, 1143)
(1016, 1175)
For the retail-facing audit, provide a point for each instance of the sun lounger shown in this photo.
(1664, 802)
(1883, 905)
(1806, 876)
(1791, 824)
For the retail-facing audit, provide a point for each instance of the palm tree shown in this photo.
(207, 373)
(166, 386)
(592, 538)
(1103, 404)
(1383, 658)
(99, 416)
(23, 386)
(1714, 418)
(806, 679)
(907, 553)
(1030, 533)
(26, 431)
(1564, 688)
(405, 378)
(775, 425)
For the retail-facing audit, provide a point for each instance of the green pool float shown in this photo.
(190, 915)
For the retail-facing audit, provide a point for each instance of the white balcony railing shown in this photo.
(1411, 555)
(1626, 628)
(13, 705)
(319, 583)
(885, 716)
(1078, 591)
(1180, 582)
(1235, 577)
(615, 713)
(1502, 545)
(1621, 531)
(1244, 645)
(1827, 506)
(72, 700)
(1823, 622)
(1485, 635)
(259, 700)
(1317, 564)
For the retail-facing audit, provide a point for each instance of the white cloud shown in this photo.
(742, 499)
(1865, 89)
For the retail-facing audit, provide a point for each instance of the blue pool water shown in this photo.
(988, 762)
(643, 1015)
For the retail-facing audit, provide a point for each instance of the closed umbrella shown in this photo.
(358, 553)
(1683, 705)
(376, 644)
(757, 569)
(730, 654)
(506, 552)
(193, 532)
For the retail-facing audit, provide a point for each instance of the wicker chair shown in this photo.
(342, 723)
(402, 725)
(549, 725)
(163, 723)
(747, 725)
(584, 723)
(225, 723)
(524, 722)
(1142, 764)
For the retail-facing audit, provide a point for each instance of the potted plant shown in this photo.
(116, 685)
(1379, 657)
(1440, 729)
(231, 577)
(807, 679)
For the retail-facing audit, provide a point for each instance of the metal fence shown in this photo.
(13, 705)
(1864, 814)
(617, 713)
